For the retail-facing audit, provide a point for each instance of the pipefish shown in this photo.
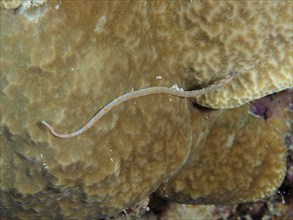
(174, 91)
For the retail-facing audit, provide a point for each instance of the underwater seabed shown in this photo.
(225, 152)
(276, 109)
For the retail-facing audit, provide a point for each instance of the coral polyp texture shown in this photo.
(62, 61)
(11, 4)
(232, 163)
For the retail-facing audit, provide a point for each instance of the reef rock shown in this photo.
(63, 62)
(10, 4)
(239, 158)
(24, 4)
(250, 38)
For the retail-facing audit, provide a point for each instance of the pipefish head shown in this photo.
(227, 79)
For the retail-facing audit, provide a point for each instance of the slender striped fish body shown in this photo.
(175, 91)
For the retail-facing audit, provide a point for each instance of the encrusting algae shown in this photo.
(77, 57)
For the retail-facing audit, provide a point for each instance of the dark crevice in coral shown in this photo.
(255, 210)
(4, 130)
(201, 108)
(158, 205)
(285, 191)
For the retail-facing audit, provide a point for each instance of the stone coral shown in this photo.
(83, 55)
(23, 4)
(232, 163)
(252, 38)
(276, 109)
(10, 4)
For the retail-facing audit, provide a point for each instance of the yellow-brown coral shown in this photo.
(240, 158)
(10, 4)
(25, 4)
(78, 57)
(249, 37)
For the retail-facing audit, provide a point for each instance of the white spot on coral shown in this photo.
(100, 25)
(57, 6)
(175, 87)
(230, 140)
(125, 212)
(31, 9)
(45, 165)
(158, 77)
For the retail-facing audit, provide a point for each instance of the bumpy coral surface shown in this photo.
(10, 4)
(277, 110)
(63, 62)
(251, 38)
(23, 4)
(232, 163)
